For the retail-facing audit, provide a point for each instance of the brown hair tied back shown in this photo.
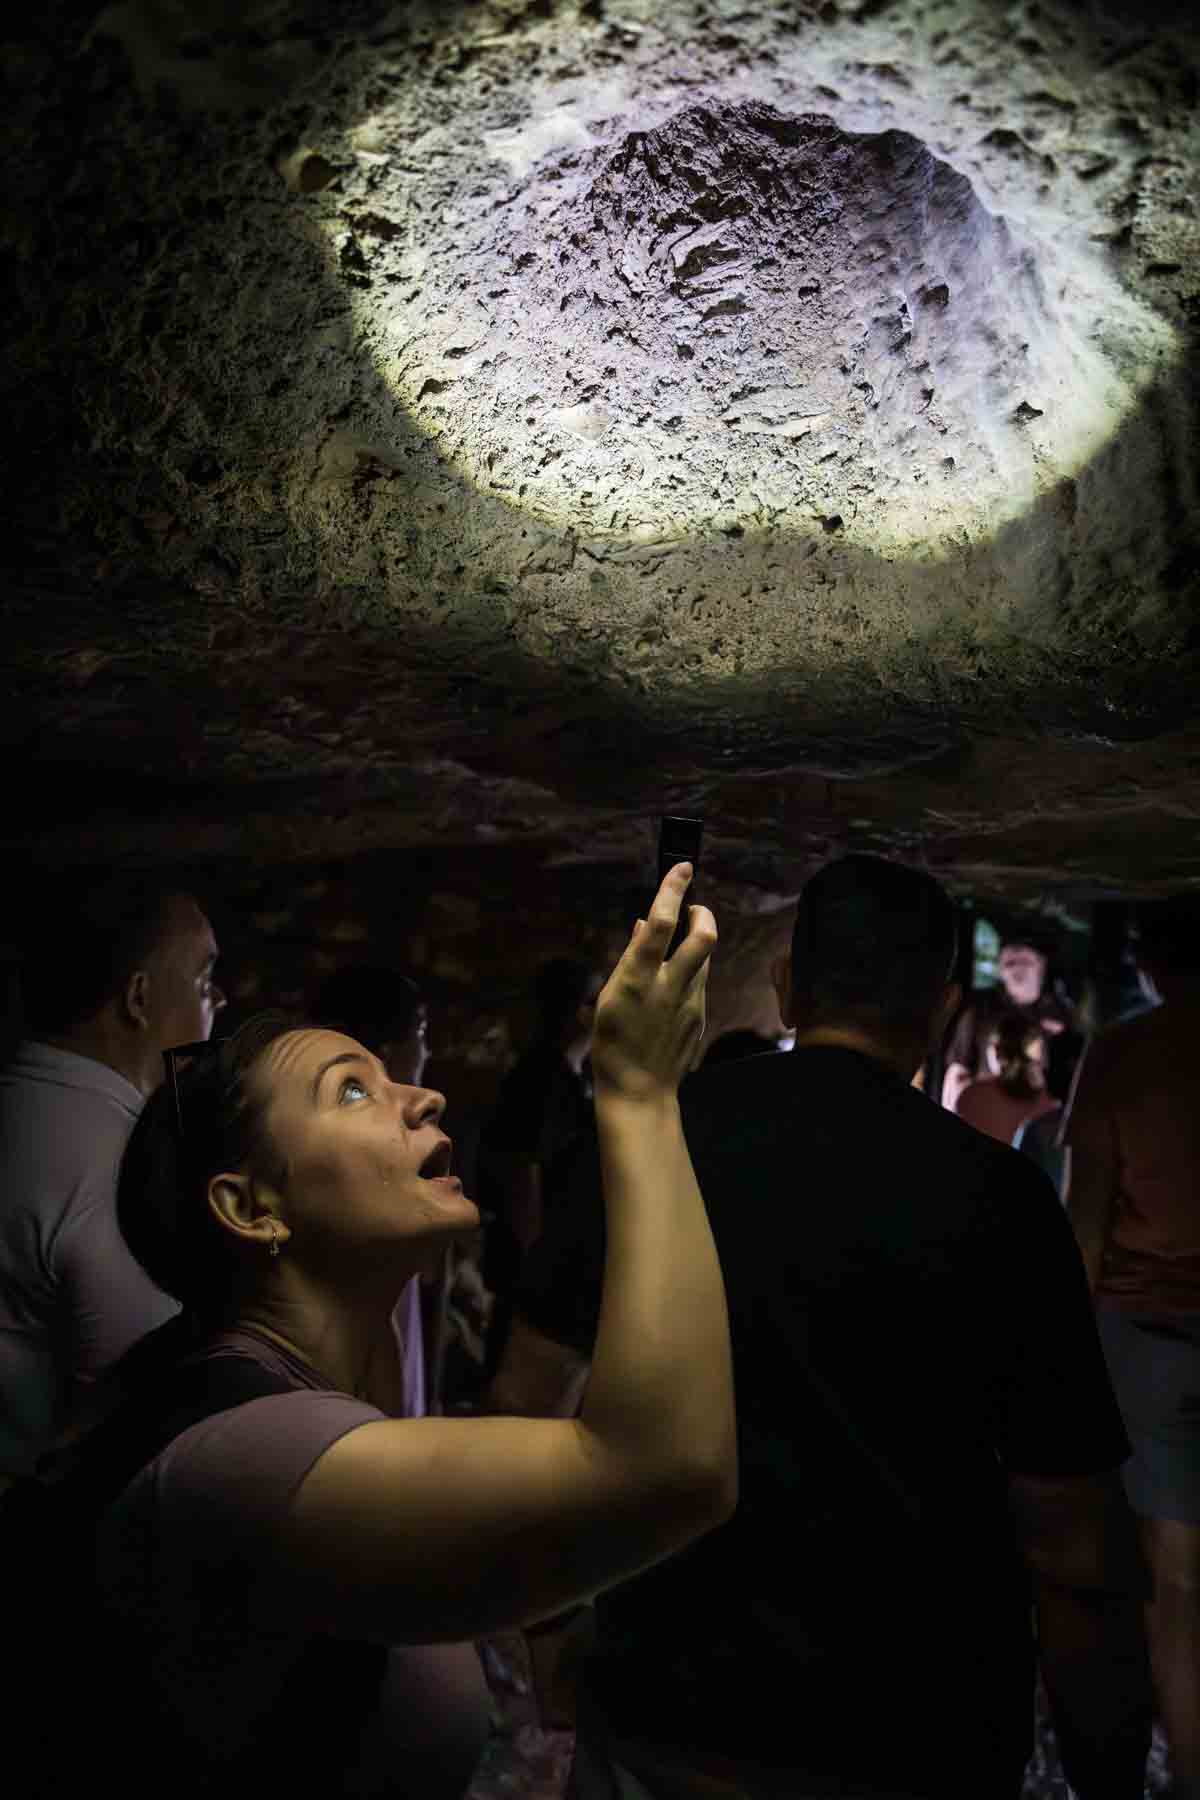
(1014, 1040)
(162, 1191)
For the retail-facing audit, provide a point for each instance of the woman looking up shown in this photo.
(298, 1573)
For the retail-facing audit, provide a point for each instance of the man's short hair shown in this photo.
(374, 1005)
(83, 940)
(873, 940)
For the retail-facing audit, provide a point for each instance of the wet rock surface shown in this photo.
(492, 424)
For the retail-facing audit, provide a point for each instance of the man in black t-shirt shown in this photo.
(543, 1110)
(928, 1438)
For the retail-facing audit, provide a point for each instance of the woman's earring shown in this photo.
(274, 1238)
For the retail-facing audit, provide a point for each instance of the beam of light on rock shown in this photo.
(744, 319)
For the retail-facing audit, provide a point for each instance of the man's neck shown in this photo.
(100, 1043)
(902, 1061)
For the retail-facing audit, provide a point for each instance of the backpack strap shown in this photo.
(332, 1690)
(327, 1696)
(196, 1389)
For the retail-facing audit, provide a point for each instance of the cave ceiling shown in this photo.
(500, 423)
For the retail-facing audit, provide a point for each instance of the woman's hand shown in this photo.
(469, 1526)
(650, 1014)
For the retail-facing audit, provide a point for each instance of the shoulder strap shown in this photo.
(187, 1393)
(327, 1696)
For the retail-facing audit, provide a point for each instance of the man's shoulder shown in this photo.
(978, 1168)
(844, 1098)
(42, 1078)
(61, 1139)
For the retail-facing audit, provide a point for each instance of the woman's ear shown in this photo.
(237, 1204)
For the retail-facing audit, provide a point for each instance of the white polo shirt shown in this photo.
(72, 1297)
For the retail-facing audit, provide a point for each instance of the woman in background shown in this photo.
(1014, 1091)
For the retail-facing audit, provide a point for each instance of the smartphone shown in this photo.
(679, 841)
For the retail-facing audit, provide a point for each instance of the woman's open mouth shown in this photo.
(436, 1166)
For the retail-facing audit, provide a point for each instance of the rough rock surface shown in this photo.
(495, 422)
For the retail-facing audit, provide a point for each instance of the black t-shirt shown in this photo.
(542, 1108)
(910, 1321)
(543, 1111)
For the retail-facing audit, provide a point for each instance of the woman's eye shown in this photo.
(351, 1081)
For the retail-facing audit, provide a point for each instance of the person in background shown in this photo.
(392, 1011)
(386, 1011)
(116, 968)
(1133, 1198)
(291, 1581)
(1039, 1138)
(543, 1110)
(1022, 966)
(1014, 1090)
(928, 1439)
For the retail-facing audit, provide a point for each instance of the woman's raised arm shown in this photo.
(443, 1529)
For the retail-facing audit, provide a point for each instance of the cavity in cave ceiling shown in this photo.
(518, 416)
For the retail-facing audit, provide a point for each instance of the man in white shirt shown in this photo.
(112, 977)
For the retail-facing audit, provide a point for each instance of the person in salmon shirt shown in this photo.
(1014, 1090)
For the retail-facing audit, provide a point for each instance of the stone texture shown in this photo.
(493, 424)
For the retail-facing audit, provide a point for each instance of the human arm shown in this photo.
(960, 1055)
(1061, 1438)
(442, 1529)
(1090, 1584)
(956, 1078)
(1090, 1136)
